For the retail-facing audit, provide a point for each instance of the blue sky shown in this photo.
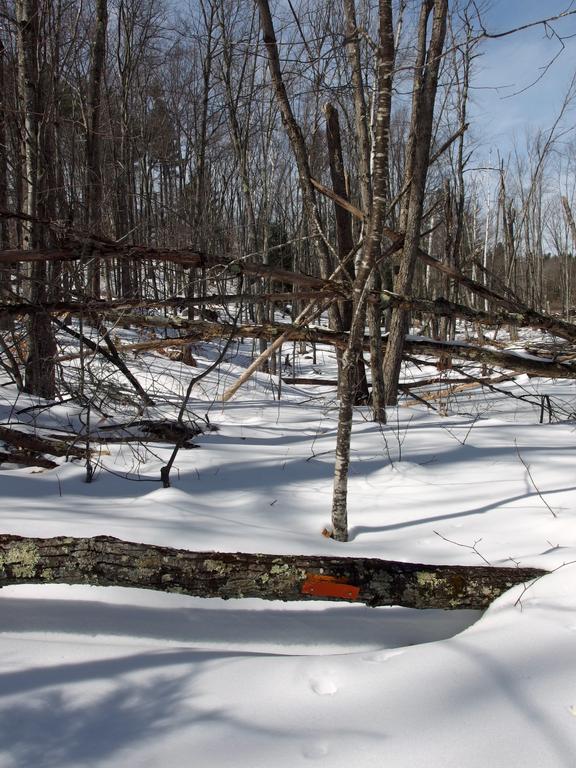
(510, 64)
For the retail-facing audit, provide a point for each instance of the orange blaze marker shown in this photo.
(329, 586)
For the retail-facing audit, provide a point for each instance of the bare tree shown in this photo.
(373, 238)
(93, 195)
(40, 363)
(426, 72)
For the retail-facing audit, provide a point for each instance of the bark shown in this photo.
(203, 331)
(34, 444)
(371, 250)
(299, 150)
(93, 199)
(40, 372)
(4, 233)
(375, 309)
(107, 561)
(344, 240)
(201, 180)
(360, 110)
(344, 237)
(425, 87)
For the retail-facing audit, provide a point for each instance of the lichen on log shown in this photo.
(107, 561)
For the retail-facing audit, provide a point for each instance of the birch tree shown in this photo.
(374, 231)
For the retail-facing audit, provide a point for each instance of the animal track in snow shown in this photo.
(381, 656)
(323, 686)
(315, 750)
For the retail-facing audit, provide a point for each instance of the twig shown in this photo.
(528, 586)
(466, 546)
(527, 468)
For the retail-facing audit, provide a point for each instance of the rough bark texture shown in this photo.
(370, 251)
(106, 561)
(40, 372)
(93, 197)
(4, 233)
(418, 159)
(31, 445)
(297, 142)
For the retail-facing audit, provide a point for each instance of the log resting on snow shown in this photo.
(196, 331)
(118, 310)
(107, 561)
(31, 445)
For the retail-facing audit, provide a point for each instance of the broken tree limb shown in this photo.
(118, 310)
(107, 561)
(523, 318)
(35, 444)
(99, 306)
(281, 333)
(188, 258)
(111, 354)
(27, 459)
(322, 290)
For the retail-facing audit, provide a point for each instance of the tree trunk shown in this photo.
(373, 238)
(345, 243)
(106, 561)
(4, 233)
(40, 367)
(93, 198)
(298, 145)
(5, 272)
(425, 87)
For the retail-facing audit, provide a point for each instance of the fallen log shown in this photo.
(26, 459)
(34, 444)
(107, 561)
(311, 381)
(99, 306)
(200, 330)
(189, 258)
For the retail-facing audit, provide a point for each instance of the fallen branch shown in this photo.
(34, 444)
(106, 561)
(26, 459)
(111, 354)
(197, 330)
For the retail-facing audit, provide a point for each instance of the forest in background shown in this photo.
(218, 167)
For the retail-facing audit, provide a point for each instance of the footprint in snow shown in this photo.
(381, 656)
(315, 750)
(323, 686)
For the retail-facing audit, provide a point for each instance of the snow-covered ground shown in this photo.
(129, 679)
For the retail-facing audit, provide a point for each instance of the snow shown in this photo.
(93, 677)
